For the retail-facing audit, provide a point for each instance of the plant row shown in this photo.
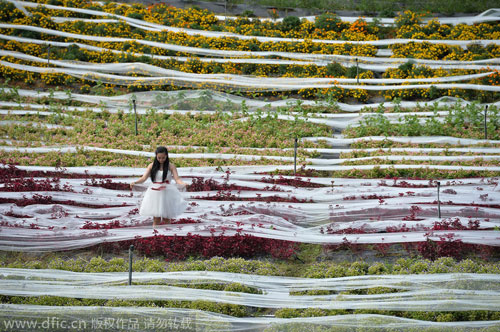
(93, 83)
(377, 172)
(254, 266)
(104, 129)
(326, 26)
(461, 121)
(242, 311)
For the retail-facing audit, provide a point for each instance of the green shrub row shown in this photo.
(262, 267)
(221, 308)
(434, 316)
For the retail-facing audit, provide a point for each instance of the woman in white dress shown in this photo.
(162, 199)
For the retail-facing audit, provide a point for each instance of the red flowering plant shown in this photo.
(180, 247)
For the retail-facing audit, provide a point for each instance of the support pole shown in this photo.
(135, 112)
(485, 122)
(439, 202)
(295, 157)
(130, 257)
(48, 54)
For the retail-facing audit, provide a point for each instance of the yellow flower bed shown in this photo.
(357, 31)
(193, 65)
(408, 26)
(430, 51)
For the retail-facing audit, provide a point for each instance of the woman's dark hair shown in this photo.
(156, 164)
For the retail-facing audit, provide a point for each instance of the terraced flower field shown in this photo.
(385, 218)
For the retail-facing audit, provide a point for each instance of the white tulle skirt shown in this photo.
(163, 200)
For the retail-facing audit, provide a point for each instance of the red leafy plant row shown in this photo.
(381, 198)
(119, 224)
(106, 183)
(58, 212)
(281, 180)
(430, 184)
(15, 215)
(444, 225)
(180, 247)
(17, 180)
(296, 182)
(406, 184)
(493, 206)
(366, 197)
(10, 170)
(301, 172)
(228, 196)
(4, 223)
(220, 196)
(45, 199)
(30, 184)
(446, 246)
(199, 184)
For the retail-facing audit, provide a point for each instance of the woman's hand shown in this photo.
(181, 184)
(132, 186)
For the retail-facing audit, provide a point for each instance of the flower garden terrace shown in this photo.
(148, 38)
(390, 218)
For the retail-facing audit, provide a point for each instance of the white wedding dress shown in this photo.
(162, 199)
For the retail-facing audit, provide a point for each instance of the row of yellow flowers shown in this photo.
(416, 50)
(421, 50)
(41, 17)
(424, 50)
(408, 24)
(195, 65)
(88, 85)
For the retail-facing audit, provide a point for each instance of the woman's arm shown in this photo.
(144, 177)
(175, 175)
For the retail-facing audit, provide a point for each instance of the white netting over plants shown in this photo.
(202, 51)
(438, 292)
(138, 68)
(335, 121)
(146, 318)
(284, 212)
(368, 63)
(490, 15)
(205, 155)
(340, 141)
(208, 100)
(158, 27)
(266, 284)
(229, 81)
(83, 207)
